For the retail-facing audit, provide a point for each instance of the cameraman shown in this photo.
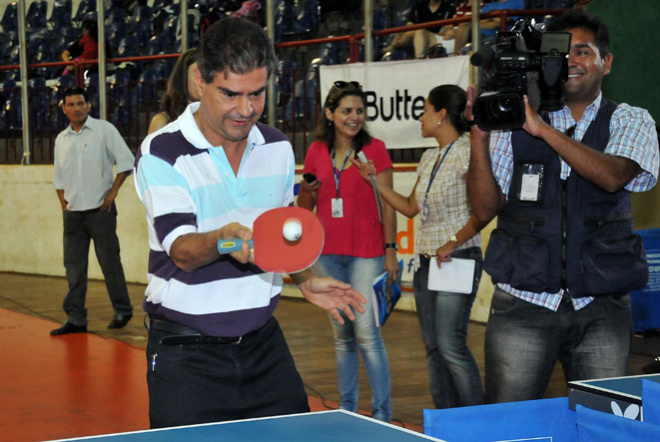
(562, 195)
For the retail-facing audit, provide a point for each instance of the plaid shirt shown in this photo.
(449, 209)
(632, 135)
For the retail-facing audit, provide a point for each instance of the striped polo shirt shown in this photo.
(188, 186)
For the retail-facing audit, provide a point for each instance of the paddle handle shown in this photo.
(232, 245)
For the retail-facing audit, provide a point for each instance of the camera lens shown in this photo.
(505, 105)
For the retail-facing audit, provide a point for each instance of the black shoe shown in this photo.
(120, 321)
(68, 328)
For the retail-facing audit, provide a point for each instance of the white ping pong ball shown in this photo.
(292, 230)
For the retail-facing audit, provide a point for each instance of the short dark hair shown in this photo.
(75, 90)
(325, 131)
(235, 45)
(577, 18)
(453, 99)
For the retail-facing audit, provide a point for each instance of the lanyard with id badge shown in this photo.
(424, 213)
(337, 204)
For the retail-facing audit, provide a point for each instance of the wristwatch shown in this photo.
(392, 245)
(453, 238)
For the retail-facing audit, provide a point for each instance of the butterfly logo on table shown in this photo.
(631, 412)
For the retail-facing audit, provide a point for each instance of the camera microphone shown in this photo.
(483, 55)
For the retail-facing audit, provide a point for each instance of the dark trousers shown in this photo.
(79, 229)
(212, 382)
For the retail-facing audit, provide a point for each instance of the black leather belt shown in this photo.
(182, 335)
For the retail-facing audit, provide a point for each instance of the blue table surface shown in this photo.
(336, 425)
(631, 385)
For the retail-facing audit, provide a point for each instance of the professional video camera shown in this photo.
(525, 61)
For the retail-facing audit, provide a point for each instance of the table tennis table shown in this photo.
(322, 426)
(611, 394)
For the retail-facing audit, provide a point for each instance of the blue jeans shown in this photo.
(524, 342)
(443, 320)
(362, 334)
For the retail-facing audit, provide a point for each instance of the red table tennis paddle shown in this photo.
(272, 251)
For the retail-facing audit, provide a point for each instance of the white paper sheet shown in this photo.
(456, 276)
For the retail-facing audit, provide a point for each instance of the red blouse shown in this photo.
(359, 233)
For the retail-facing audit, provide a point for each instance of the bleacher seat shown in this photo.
(6, 44)
(14, 55)
(122, 97)
(38, 99)
(38, 7)
(38, 38)
(143, 32)
(12, 36)
(193, 38)
(92, 86)
(285, 78)
(163, 68)
(160, 4)
(44, 56)
(285, 19)
(35, 21)
(91, 16)
(309, 16)
(10, 115)
(64, 83)
(115, 14)
(156, 45)
(9, 20)
(128, 47)
(114, 33)
(60, 16)
(84, 7)
(147, 92)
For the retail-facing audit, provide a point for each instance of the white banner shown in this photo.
(396, 91)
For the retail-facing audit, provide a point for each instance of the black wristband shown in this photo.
(391, 245)
(471, 122)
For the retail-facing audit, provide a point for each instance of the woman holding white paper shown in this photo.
(448, 230)
(360, 242)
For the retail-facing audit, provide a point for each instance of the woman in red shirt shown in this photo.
(358, 245)
(87, 48)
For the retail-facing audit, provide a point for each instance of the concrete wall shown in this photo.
(31, 226)
(31, 231)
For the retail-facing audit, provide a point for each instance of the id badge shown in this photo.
(337, 207)
(424, 213)
(529, 187)
(531, 183)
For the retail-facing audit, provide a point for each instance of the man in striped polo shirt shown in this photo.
(215, 351)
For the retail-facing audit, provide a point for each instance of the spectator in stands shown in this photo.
(489, 26)
(448, 230)
(423, 12)
(457, 33)
(86, 153)
(85, 48)
(181, 90)
(358, 245)
(204, 178)
(562, 290)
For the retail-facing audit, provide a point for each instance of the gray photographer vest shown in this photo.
(574, 235)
